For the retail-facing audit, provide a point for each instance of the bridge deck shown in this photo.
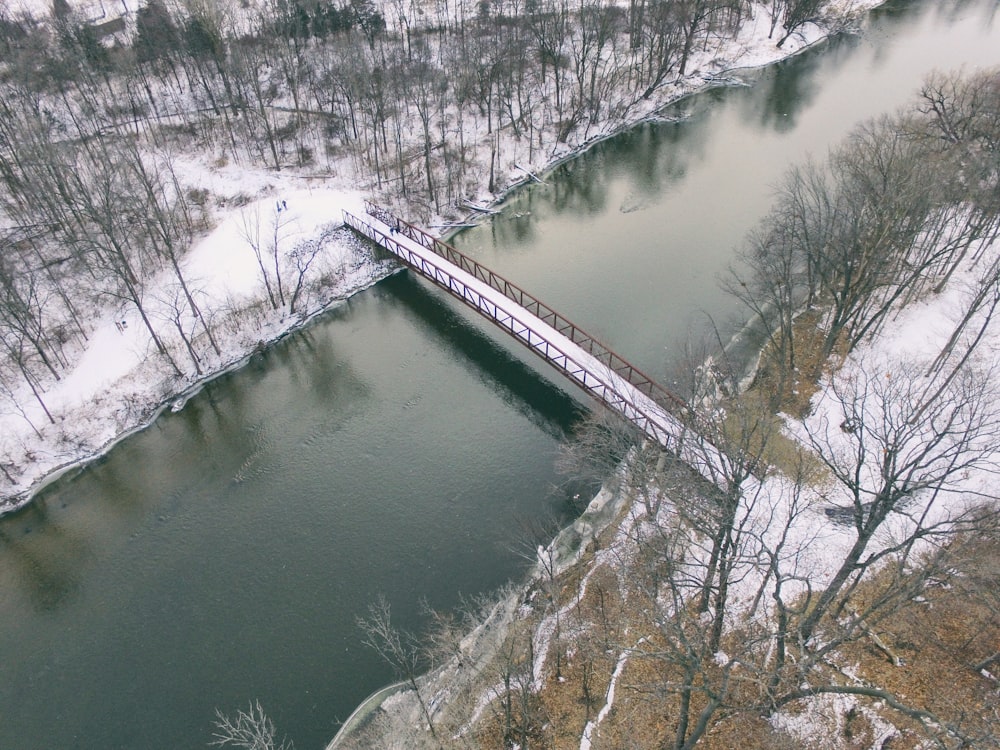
(599, 371)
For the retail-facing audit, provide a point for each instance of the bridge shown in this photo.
(605, 375)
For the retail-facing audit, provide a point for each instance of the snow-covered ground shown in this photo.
(885, 373)
(117, 385)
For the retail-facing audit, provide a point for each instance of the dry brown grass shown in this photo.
(810, 363)
(778, 451)
(953, 626)
(939, 637)
(774, 392)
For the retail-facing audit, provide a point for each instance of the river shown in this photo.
(399, 445)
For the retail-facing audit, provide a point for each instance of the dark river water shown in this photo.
(399, 446)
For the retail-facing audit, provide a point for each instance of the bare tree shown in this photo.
(266, 241)
(795, 14)
(22, 312)
(248, 729)
(10, 395)
(593, 67)
(303, 255)
(661, 45)
(175, 310)
(897, 443)
(666, 581)
(855, 236)
(15, 348)
(168, 226)
(700, 18)
(106, 200)
(399, 649)
(516, 707)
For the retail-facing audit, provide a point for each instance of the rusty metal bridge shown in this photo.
(605, 375)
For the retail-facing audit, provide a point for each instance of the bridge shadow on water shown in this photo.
(552, 409)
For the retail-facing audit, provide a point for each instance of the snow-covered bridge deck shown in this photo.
(606, 376)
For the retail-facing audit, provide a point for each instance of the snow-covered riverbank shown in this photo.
(119, 385)
(880, 380)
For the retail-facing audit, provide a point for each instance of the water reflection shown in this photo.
(790, 88)
(532, 394)
(580, 187)
(224, 553)
(671, 147)
(48, 561)
(628, 173)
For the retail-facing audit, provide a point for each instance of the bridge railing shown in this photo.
(652, 419)
(532, 304)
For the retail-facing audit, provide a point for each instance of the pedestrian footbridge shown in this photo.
(608, 377)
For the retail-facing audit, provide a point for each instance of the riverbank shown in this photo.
(119, 386)
(565, 633)
(390, 714)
